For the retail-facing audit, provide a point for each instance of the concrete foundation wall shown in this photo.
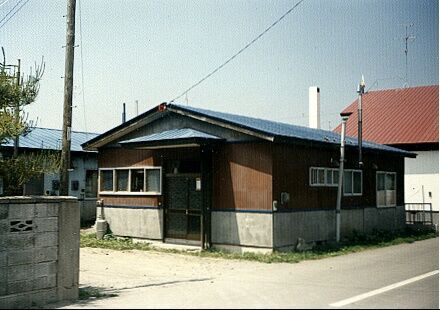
(39, 251)
(308, 225)
(315, 226)
(246, 229)
(135, 222)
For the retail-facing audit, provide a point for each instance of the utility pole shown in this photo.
(67, 109)
(17, 111)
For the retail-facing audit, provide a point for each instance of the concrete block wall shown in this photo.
(39, 251)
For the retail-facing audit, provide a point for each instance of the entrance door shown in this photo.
(183, 206)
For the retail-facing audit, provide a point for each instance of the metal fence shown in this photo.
(419, 213)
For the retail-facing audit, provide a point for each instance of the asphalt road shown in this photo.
(403, 276)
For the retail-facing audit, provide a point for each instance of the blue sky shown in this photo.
(151, 51)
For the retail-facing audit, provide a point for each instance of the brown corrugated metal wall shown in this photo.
(242, 177)
(291, 174)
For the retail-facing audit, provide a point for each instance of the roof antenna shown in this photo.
(186, 98)
(407, 38)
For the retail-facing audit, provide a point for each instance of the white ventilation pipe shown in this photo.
(314, 107)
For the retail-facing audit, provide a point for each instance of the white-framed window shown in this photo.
(352, 182)
(321, 176)
(386, 189)
(130, 181)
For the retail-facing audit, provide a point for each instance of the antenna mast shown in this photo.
(407, 38)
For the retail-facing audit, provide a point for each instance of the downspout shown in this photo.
(345, 117)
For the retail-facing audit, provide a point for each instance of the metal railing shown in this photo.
(419, 213)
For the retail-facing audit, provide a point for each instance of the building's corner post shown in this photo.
(68, 250)
(206, 168)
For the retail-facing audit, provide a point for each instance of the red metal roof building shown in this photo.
(406, 118)
(399, 117)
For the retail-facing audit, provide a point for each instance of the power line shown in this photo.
(1, 26)
(82, 67)
(239, 52)
(4, 2)
(4, 17)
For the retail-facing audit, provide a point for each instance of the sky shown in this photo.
(152, 51)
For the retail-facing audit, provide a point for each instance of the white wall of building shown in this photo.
(421, 178)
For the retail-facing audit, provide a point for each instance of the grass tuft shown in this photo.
(86, 293)
(357, 242)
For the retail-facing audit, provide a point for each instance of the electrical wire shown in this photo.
(4, 17)
(82, 68)
(238, 53)
(1, 25)
(4, 2)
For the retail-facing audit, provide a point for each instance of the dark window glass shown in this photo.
(91, 190)
(153, 180)
(357, 182)
(122, 180)
(137, 180)
(348, 182)
(74, 185)
(107, 180)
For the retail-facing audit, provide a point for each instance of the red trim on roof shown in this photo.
(397, 116)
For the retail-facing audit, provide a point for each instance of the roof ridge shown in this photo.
(251, 117)
(401, 88)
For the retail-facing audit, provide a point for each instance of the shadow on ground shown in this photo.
(87, 294)
(90, 294)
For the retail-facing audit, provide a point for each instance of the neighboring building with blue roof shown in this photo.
(50, 139)
(188, 175)
(83, 175)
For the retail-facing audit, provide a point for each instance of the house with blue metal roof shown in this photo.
(181, 174)
(84, 166)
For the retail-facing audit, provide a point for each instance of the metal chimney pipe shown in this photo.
(137, 107)
(345, 117)
(123, 113)
(360, 91)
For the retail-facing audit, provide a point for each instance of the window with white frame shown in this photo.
(321, 176)
(352, 182)
(139, 180)
(386, 189)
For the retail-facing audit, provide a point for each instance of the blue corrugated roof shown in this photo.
(51, 139)
(285, 130)
(175, 134)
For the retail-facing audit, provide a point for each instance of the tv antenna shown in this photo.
(408, 38)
